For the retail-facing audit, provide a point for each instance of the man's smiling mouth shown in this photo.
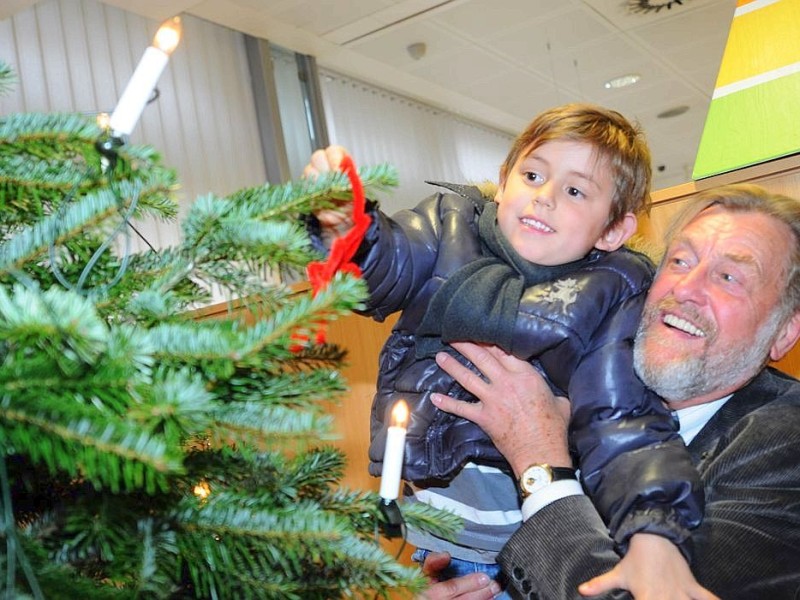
(683, 325)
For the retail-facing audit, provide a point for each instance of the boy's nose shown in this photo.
(544, 194)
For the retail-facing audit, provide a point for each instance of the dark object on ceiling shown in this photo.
(645, 6)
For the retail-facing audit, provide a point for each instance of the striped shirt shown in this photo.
(486, 499)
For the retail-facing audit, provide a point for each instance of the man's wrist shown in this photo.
(549, 494)
(523, 460)
(538, 476)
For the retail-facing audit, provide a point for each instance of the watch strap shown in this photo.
(560, 473)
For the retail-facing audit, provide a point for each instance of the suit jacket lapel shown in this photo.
(743, 402)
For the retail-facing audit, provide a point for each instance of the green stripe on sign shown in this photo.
(750, 126)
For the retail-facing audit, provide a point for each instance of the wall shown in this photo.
(420, 141)
(77, 56)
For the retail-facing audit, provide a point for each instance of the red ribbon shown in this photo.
(320, 273)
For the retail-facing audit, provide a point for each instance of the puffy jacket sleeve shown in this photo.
(403, 253)
(632, 461)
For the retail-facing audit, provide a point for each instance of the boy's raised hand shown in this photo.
(333, 222)
(322, 161)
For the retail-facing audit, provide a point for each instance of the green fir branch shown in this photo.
(7, 78)
(297, 388)
(255, 425)
(309, 195)
(32, 243)
(439, 522)
(107, 453)
(117, 401)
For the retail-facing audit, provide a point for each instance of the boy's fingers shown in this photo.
(473, 583)
(335, 156)
(475, 586)
(320, 161)
(435, 562)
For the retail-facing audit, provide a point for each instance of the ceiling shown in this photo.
(501, 61)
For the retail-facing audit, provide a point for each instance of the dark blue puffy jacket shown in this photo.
(578, 330)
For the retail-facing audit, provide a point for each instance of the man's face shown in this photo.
(712, 315)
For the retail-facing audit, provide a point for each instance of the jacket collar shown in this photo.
(745, 400)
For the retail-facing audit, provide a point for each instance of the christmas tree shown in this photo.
(148, 453)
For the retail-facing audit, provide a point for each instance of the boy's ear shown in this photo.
(503, 173)
(498, 195)
(618, 234)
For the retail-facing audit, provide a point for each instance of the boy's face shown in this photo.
(554, 204)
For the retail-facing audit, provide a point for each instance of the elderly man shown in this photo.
(725, 301)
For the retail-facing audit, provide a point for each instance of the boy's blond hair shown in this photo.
(618, 142)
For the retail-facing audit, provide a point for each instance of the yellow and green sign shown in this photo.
(754, 115)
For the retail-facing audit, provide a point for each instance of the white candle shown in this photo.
(144, 78)
(393, 453)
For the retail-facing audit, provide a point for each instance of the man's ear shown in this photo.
(787, 337)
(618, 234)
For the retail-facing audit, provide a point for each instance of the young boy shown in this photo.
(541, 272)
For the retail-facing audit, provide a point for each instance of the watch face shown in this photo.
(535, 478)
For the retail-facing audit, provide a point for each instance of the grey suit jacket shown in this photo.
(748, 546)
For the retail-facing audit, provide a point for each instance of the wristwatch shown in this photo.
(536, 477)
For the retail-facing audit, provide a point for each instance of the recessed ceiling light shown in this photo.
(673, 112)
(417, 50)
(622, 81)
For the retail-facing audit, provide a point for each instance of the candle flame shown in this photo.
(202, 490)
(400, 414)
(168, 35)
(103, 120)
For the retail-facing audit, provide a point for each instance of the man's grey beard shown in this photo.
(699, 375)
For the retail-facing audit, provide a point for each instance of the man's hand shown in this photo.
(653, 569)
(475, 586)
(526, 422)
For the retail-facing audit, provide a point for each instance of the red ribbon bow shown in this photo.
(342, 249)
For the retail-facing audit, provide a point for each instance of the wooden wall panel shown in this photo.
(363, 338)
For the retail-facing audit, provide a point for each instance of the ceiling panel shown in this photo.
(501, 61)
(489, 20)
(390, 47)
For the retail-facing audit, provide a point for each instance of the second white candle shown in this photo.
(394, 452)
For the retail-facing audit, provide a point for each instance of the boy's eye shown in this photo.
(534, 177)
(574, 192)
